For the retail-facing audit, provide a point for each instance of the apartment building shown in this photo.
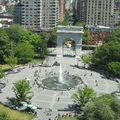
(37, 15)
(61, 9)
(67, 4)
(17, 14)
(97, 12)
(99, 33)
(81, 10)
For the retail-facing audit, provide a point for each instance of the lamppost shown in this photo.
(40, 68)
(77, 61)
(39, 51)
(86, 67)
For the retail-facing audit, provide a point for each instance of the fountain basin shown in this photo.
(54, 83)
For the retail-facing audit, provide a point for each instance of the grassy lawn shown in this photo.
(67, 118)
(5, 66)
(16, 114)
(36, 61)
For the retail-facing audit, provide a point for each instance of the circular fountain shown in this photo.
(53, 83)
(60, 81)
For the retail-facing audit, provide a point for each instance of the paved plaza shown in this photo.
(48, 98)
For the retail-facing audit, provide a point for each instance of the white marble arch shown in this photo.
(74, 32)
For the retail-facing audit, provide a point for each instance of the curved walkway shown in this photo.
(48, 98)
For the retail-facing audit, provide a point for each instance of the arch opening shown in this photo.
(68, 47)
(71, 35)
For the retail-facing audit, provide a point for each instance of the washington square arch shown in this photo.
(72, 32)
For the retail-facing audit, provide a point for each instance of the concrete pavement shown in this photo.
(48, 98)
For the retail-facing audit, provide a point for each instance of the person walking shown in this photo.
(58, 99)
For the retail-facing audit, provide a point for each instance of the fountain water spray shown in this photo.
(60, 75)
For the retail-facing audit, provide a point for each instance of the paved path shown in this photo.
(48, 98)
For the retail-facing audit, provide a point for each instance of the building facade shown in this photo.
(61, 10)
(98, 34)
(98, 12)
(81, 10)
(37, 15)
(17, 14)
(67, 4)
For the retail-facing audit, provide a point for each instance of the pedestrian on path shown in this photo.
(7, 80)
(58, 99)
(96, 84)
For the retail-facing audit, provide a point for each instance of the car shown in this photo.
(11, 99)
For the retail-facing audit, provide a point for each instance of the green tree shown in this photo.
(2, 73)
(111, 37)
(15, 33)
(82, 97)
(4, 45)
(106, 53)
(53, 38)
(104, 107)
(86, 59)
(86, 37)
(44, 36)
(2, 22)
(79, 24)
(22, 91)
(9, 9)
(66, 16)
(30, 38)
(65, 22)
(24, 53)
(42, 48)
(11, 60)
(115, 36)
(114, 67)
(100, 111)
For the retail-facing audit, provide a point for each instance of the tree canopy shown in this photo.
(24, 53)
(53, 38)
(108, 52)
(11, 60)
(65, 22)
(86, 59)
(104, 107)
(23, 44)
(86, 37)
(22, 90)
(115, 36)
(15, 33)
(114, 67)
(44, 36)
(2, 73)
(4, 45)
(42, 48)
(83, 96)
(107, 55)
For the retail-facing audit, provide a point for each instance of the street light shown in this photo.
(86, 67)
(39, 51)
(40, 67)
(77, 61)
